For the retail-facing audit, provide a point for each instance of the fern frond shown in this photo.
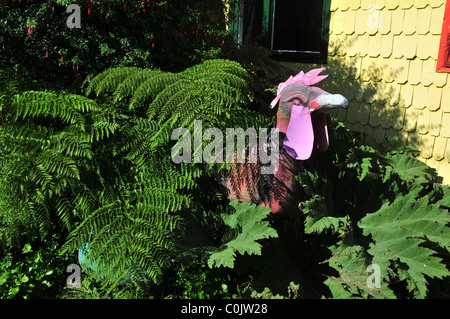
(119, 233)
(212, 87)
(67, 107)
(150, 88)
(79, 103)
(54, 162)
(130, 84)
(109, 80)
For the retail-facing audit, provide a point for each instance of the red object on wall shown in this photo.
(443, 62)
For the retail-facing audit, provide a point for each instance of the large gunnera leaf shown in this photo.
(402, 234)
(410, 168)
(245, 228)
(354, 280)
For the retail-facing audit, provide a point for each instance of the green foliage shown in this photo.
(97, 170)
(39, 162)
(319, 208)
(246, 227)
(68, 108)
(410, 168)
(175, 34)
(351, 263)
(34, 273)
(62, 171)
(382, 206)
(94, 289)
(48, 162)
(210, 251)
(401, 231)
(197, 281)
(143, 223)
(132, 228)
(101, 171)
(214, 91)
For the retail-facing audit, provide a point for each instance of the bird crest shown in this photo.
(310, 78)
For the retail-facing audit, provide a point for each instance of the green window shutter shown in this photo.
(267, 9)
(236, 21)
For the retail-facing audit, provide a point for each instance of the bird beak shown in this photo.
(308, 126)
(328, 101)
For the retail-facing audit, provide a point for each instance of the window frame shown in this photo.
(236, 27)
(443, 61)
(303, 56)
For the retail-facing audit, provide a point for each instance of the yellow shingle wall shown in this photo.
(382, 57)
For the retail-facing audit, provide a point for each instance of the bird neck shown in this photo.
(282, 120)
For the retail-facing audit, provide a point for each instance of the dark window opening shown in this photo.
(297, 26)
(291, 29)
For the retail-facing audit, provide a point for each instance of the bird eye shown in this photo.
(296, 102)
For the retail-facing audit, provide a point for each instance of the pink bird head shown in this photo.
(298, 99)
(310, 78)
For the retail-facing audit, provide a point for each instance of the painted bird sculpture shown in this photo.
(301, 124)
